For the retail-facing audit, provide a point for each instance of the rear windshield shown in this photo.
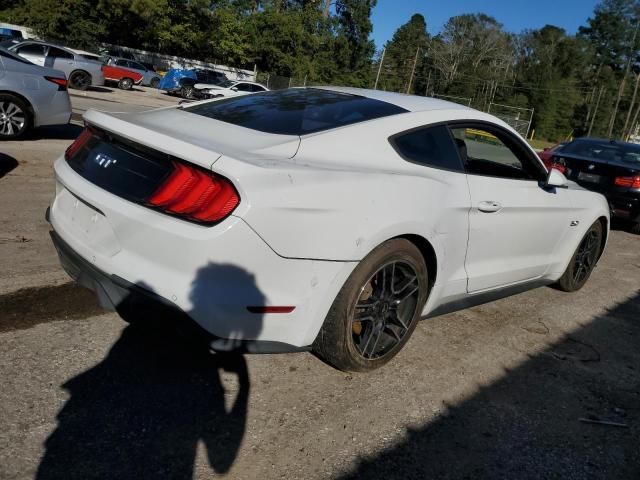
(295, 111)
(604, 150)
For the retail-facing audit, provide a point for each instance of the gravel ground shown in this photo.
(496, 391)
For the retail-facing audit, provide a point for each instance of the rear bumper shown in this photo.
(115, 293)
(212, 274)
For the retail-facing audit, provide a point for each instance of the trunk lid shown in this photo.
(596, 174)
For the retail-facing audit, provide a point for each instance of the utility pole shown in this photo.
(633, 100)
(612, 121)
(375, 85)
(413, 70)
(595, 111)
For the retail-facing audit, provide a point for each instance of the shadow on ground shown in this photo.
(7, 164)
(55, 132)
(158, 394)
(527, 426)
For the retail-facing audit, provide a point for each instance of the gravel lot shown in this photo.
(496, 391)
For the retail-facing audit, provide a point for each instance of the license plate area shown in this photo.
(85, 222)
(589, 177)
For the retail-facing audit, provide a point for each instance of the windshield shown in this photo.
(227, 83)
(297, 111)
(604, 150)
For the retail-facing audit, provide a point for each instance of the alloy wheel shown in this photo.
(384, 310)
(586, 256)
(12, 119)
(79, 80)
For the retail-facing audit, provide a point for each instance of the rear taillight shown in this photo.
(61, 82)
(559, 164)
(78, 143)
(195, 194)
(628, 182)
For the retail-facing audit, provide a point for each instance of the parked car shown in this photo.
(149, 77)
(10, 34)
(547, 153)
(30, 96)
(182, 81)
(123, 77)
(81, 72)
(608, 167)
(330, 219)
(229, 88)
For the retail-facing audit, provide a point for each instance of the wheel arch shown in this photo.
(428, 253)
(605, 233)
(83, 71)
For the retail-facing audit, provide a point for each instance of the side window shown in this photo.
(121, 63)
(258, 88)
(494, 154)
(430, 146)
(59, 53)
(31, 49)
(244, 87)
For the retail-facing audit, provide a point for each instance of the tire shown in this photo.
(635, 228)
(187, 92)
(15, 116)
(155, 82)
(79, 80)
(353, 344)
(583, 260)
(125, 83)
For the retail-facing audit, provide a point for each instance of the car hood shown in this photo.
(195, 138)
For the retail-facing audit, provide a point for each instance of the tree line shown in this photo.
(577, 84)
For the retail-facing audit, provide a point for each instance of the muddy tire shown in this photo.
(377, 309)
(583, 260)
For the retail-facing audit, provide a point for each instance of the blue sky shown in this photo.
(515, 15)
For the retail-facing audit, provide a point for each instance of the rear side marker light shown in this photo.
(628, 182)
(195, 194)
(272, 309)
(78, 143)
(61, 82)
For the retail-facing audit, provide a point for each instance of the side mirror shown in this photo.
(235, 89)
(556, 179)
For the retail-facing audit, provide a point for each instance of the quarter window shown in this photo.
(32, 49)
(494, 154)
(431, 146)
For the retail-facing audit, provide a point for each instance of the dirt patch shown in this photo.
(31, 306)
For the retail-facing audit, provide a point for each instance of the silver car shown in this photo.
(80, 71)
(149, 77)
(30, 96)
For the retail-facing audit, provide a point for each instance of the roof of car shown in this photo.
(413, 103)
(82, 52)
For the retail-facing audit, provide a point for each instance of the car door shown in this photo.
(34, 52)
(60, 60)
(515, 223)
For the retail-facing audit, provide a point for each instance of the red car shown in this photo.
(123, 77)
(547, 153)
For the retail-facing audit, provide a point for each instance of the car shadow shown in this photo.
(7, 164)
(547, 418)
(69, 131)
(159, 393)
(99, 89)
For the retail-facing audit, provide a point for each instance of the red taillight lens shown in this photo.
(61, 82)
(196, 194)
(628, 182)
(561, 168)
(78, 143)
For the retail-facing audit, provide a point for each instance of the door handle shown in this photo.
(489, 206)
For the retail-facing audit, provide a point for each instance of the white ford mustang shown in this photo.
(330, 219)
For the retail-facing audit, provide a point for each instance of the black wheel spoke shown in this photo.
(382, 315)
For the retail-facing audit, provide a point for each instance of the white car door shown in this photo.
(515, 223)
(34, 52)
